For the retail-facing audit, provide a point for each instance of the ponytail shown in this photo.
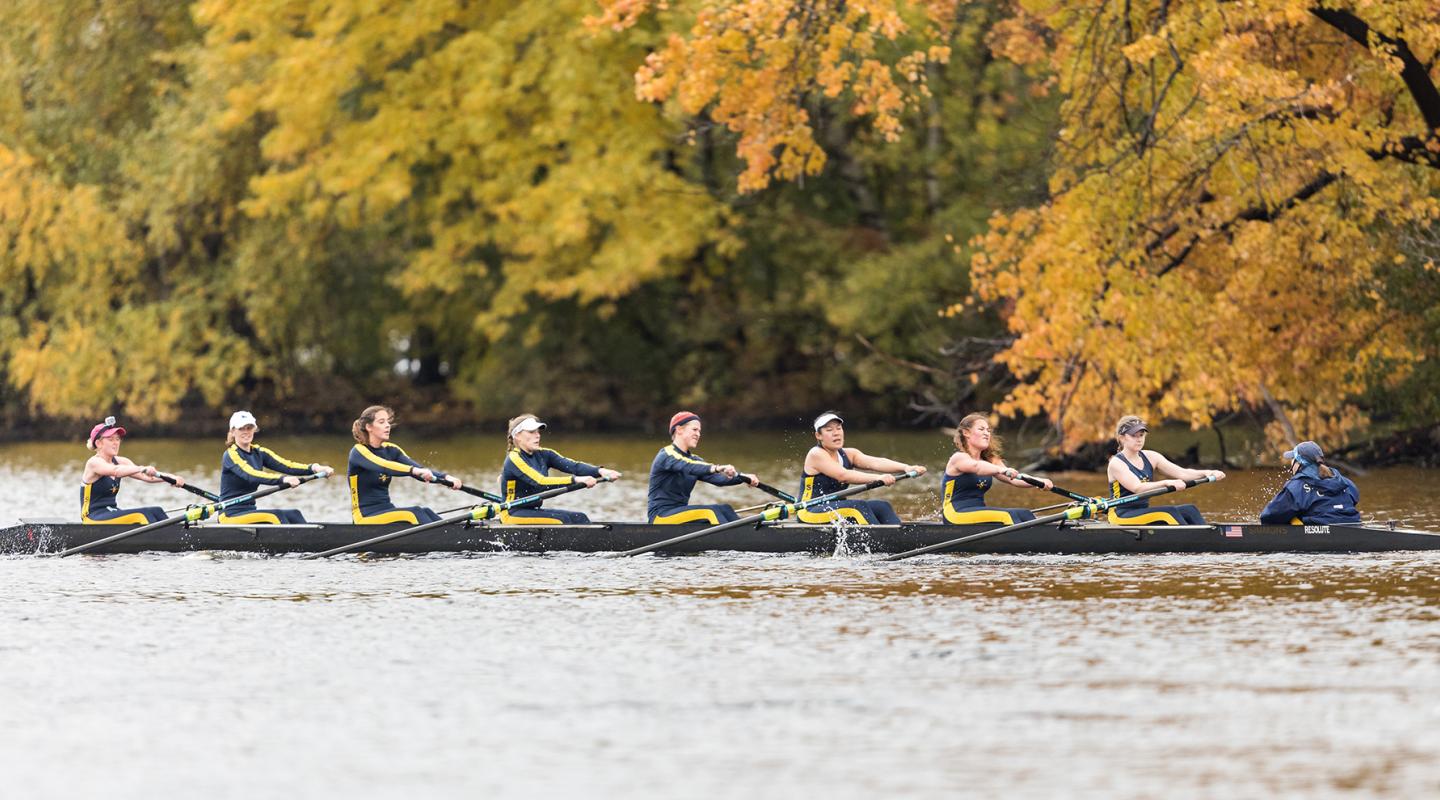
(510, 426)
(360, 428)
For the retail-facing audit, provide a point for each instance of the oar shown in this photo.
(484, 495)
(192, 514)
(773, 514)
(170, 479)
(768, 489)
(1089, 508)
(1039, 484)
(475, 514)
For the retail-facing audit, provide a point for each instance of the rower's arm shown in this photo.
(1117, 472)
(239, 467)
(570, 465)
(124, 468)
(817, 461)
(418, 465)
(1281, 509)
(1165, 465)
(517, 466)
(964, 462)
(363, 458)
(279, 463)
(878, 464)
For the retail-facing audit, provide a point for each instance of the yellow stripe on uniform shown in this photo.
(136, 518)
(675, 454)
(1150, 518)
(854, 515)
(384, 462)
(282, 460)
(234, 455)
(386, 517)
(977, 517)
(507, 519)
(689, 515)
(250, 518)
(534, 474)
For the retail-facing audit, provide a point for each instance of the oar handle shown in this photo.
(494, 498)
(474, 514)
(1090, 508)
(771, 490)
(1039, 484)
(192, 514)
(170, 479)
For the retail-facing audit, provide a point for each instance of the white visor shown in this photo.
(530, 424)
(240, 419)
(827, 418)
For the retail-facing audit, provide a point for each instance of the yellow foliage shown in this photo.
(750, 67)
(1228, 185)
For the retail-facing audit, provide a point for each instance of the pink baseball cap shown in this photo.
(103, 428)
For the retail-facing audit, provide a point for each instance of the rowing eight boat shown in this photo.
(47, 537)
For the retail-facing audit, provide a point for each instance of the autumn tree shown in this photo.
(1229, 208)
(1232, 190)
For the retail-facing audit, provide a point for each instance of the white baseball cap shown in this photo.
(527, 424)
(242, 418)
(826, 418)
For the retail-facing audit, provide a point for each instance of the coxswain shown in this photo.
(674, 472)
(830, 466)
(974, 466)
(1132, 471)
(100, 484)
(1315, 494)
(244, 466)
(374, 461)
(527, 471)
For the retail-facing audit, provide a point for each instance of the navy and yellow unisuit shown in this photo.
(1140, 512)
(860, 512)
(673, 474)
(964, 501)
(525, 474)
(99, 503)
(243, 471)
(370, 470)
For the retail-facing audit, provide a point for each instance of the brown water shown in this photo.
(722, 675)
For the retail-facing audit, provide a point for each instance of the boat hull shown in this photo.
(50, 537)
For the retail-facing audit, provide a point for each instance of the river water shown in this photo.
(718, 675)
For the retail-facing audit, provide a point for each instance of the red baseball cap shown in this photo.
(100, 430)
(682, 417)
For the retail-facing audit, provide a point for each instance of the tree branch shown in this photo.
(1416, 77)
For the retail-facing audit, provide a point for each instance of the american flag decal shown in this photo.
(1234, 531)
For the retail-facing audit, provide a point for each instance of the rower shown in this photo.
(974, 466)
(99, 492)
(1315, 493)
(374, 460)
(244, 466)
(527, 471)
(1132, 470)
(674, 472)
(830, 466)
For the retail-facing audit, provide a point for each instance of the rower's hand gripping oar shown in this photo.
(192, 514)
(481, 512)
(170, 479)
(1090, 508)
(772, 514)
